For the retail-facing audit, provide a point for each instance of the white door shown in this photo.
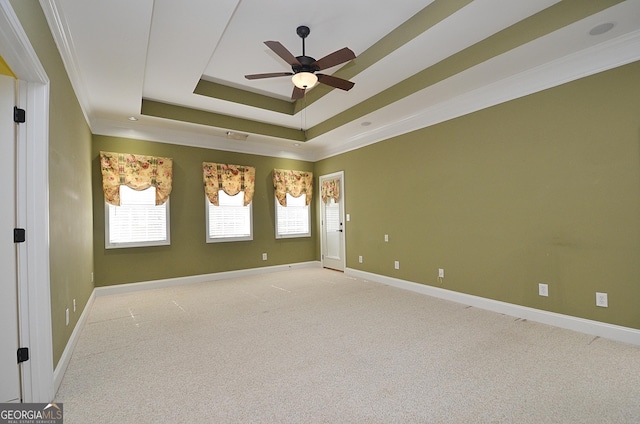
(10, 381)
(332, 220)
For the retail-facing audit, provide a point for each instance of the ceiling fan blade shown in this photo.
(298, 93)
(335, 58)
(282, 51)
(270, 75)
(336, 82)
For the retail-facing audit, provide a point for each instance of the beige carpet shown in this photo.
(315, 346)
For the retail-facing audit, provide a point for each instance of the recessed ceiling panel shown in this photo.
(183, 37)
(334, 24)
(108, 41)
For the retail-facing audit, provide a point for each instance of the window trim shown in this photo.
(165, 242)
(207, 205)
(296, 235)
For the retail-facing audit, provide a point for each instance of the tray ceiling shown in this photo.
(178, 67)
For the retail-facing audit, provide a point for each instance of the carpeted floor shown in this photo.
(315, 346)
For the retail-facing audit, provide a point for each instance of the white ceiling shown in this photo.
(118, 52)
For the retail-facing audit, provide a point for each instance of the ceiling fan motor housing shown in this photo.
(306, 65)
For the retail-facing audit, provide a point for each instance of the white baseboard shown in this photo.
(596, 328)
(63, 363)
(194, 279)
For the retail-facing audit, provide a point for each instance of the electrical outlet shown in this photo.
(602, 300)
(396, 264)
(264, 256)
(92, 276)
(360, 258)
(386, 237)
(74, 305)
(440, 272)
(543, 289)
(66, 316)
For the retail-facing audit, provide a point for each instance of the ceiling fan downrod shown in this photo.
(303, 32)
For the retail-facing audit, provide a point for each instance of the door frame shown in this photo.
(342, 216)
(34, 297)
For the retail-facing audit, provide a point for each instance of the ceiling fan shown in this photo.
(304, 67)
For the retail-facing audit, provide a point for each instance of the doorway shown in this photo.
(332, 228)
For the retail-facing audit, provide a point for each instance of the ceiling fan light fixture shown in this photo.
(304, 80)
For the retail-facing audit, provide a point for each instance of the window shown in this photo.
(293, 220)
(137, 222)
(231, 220)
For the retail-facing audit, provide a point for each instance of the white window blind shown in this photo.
(332, 216)
(231, 220)
(137, 222)
(293, 220)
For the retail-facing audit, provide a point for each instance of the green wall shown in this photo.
(70, 195)
(188, 253)
(545, 188)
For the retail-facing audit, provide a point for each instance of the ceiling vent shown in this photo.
(236, 136)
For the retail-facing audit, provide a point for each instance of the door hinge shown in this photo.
(19, 235)
(19, 115)
(23, 354)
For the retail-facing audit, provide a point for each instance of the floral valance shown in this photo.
(137, 172)
(330, 190)
(232, 179)
(296, 183)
